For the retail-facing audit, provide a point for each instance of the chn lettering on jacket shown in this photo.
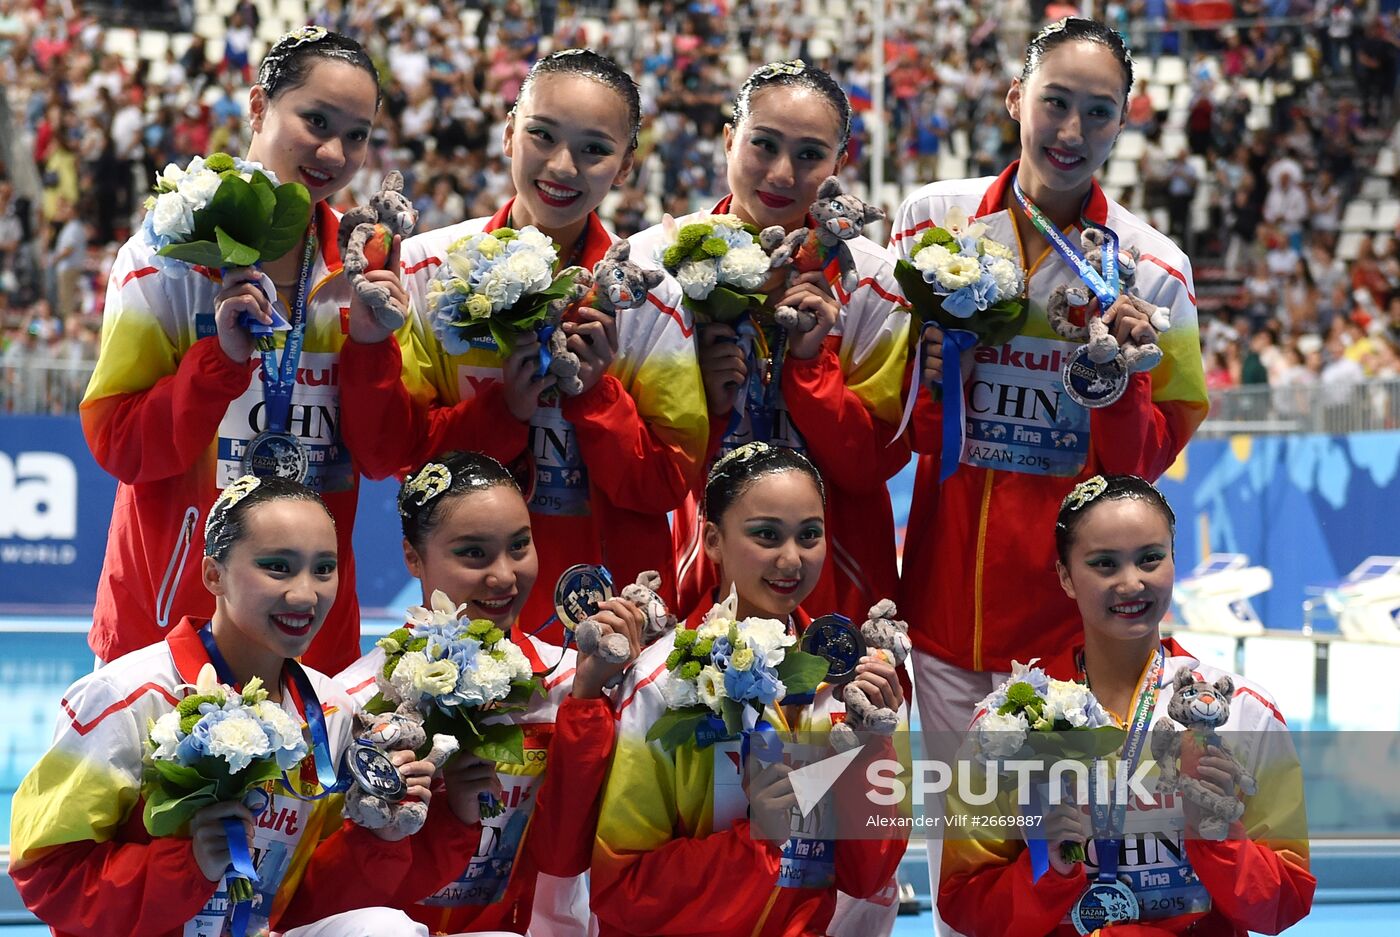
(314, 418)
(560, 479)
(1017, 415)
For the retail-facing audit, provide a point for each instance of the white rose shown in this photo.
(406, 672)
(932, 259)
(166, 734)
(536, 240)
(238, 739)
(766, 637)
(1007, 276)
(698, 278)
(1001, 736)
(678, 693)
(198, 188)
(747, 267)
(997, 249)
(710, 686)
(958, 272)
(172, 216)
(170, 177)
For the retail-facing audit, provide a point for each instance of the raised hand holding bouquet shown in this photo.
(721, 676)
(218, 746)
(1033, 714)
(971, 288)
(222, 212)
(463, 676)
(497, 285)
(721, 265)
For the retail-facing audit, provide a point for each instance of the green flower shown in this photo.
(690, 670)
(703, 648)
(188, 708)
(493, 637)
(673, 660)
(685, 638)
(479, 627)
(933, 235)
(714, 247)
(219, 162)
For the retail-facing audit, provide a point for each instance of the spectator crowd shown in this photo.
(1256, 196)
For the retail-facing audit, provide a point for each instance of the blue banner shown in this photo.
(55, 506)
(1308, 507)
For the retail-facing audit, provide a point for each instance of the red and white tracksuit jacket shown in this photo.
(674, 853)
(1256, 879)
(978, 583)
(169, 415)
(551, 802)
(600, 470)
(840, 408)
(85, 865)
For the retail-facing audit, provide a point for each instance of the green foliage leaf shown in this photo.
(802, 672)
(378, 705)
(233, 252)
(289, 218)
(183, 776)
(503, 744)
(266, 192)
(204, 253)
(236, 209)
(675, 727)
(1077, 744)
(725, 305)
(169, 811)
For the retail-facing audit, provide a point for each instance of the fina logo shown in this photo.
(38, 501)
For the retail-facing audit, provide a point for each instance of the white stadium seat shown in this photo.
(1170, 70)
(1358, 215)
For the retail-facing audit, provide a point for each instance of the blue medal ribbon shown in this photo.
(326, 774)
(1108, 817)
(1104, 285)
(240, 868)
(546, 356)
(955, 342)
(279, 378)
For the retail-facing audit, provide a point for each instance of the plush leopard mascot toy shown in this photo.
(1202, 708)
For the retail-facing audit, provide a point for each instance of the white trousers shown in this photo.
(945, 695)
(367, 922)
(374, 922)
(561, 908)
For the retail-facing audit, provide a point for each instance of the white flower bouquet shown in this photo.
(495, 286)
(456, 672)
(1032, 713)
(956, 278)
(222, 211)
(725, 672)
(216, 746)
(719, 265)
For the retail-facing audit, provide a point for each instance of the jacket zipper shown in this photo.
(165, 596)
